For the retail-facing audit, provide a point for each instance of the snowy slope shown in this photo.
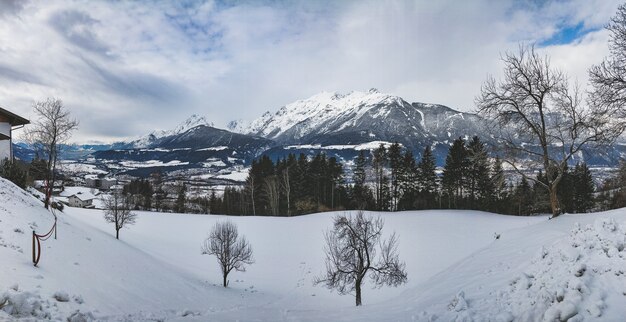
(99, 274)
(457, 270)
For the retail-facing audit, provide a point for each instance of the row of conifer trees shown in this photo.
(391, 178)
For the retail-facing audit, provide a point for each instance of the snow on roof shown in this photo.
(83, 196)
(76, 190)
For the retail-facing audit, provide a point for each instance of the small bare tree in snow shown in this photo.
(117, 211)
(354, 250)
(231, 251)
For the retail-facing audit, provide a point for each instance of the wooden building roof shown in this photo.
(14, 119)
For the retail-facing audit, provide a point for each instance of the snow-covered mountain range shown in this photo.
(331, 118)
(337, 124)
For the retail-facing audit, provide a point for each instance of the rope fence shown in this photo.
(37, 239)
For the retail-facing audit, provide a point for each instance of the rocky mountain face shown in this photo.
(356, 118)
(359, 117)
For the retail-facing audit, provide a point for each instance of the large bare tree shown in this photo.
(117, 210)
(354, 250)
(540, 120)
(609, 77)
(53, 127)
(231, 251)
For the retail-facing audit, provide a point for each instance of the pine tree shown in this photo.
(478, 183)
(584, 188)
(181, 200)
(523, 194)
(394, 156)
(427, 179)
(408, 182)
(498, 182)
(566, 190)
(381, 180)
(454, 172)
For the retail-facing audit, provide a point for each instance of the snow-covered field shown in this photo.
(538, 269)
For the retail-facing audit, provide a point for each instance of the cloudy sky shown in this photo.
(127, 68)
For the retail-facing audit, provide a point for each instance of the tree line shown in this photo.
(390, 178)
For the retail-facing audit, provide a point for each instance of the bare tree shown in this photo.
(351, 253)
(285, 184)
(609, 77)
(272, 194)
(117, 210)
(53, 127)
(231, 251)
(540, 120)
(251, 188)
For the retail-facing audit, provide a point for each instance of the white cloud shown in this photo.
(127, 68)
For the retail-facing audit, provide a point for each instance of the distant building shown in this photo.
(42, 186)
(8, 123)
(107, 183)
(93, 181)
(81, 200)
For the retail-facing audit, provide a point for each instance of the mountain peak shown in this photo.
(320, 112)
(193, 121)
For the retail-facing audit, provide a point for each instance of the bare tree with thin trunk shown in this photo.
(231, 251)
(285, 184)
(251, 188)
(117, 210)
(53, 127)
(539, 120)
(354, 250)
(272, 194)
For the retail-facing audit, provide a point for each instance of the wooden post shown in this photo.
(34, 263)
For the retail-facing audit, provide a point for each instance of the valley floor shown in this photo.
(538, 269)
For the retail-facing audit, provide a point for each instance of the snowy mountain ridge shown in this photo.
(192, 122)
(317, 111)
(357, 117)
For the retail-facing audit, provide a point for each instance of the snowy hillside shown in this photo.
(458, 271)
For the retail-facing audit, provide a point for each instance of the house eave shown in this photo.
(14, 119)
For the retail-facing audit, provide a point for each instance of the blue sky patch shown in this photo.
(567, 35)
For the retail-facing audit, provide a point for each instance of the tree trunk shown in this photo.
(117, 234)
(358, 292)
(225, 281)
(554, 203)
